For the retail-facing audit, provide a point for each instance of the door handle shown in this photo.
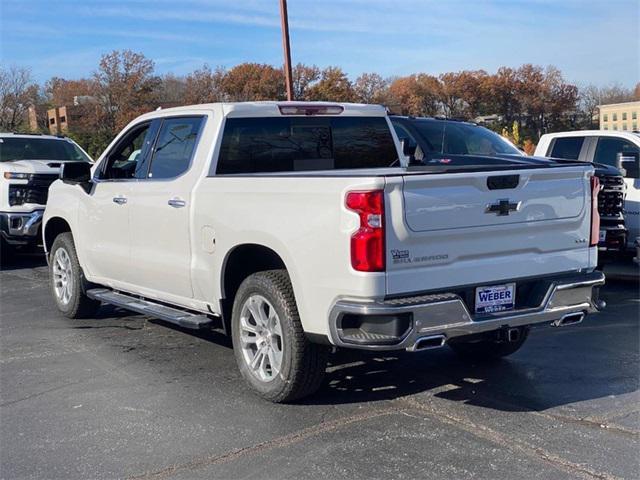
(120, 200)
(176, 203)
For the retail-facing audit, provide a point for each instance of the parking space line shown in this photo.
(278, 442)
(506, 441)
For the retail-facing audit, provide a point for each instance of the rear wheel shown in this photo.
(67, 280)
(491, 346)
(272, 352)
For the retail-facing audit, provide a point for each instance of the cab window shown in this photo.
(567, 147)
(293, 144)
(610, 149)
(126, 158)
(175, 147)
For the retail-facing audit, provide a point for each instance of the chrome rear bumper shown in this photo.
(437, 318)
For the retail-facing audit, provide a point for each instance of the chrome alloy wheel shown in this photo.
(261, 338)
(62, 276)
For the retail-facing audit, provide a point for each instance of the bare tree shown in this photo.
(304, 76)
(589, 101)
(126, 87)
(204, 86)
(17, 93)
(172, 89)
(370, 88)
(615, 93)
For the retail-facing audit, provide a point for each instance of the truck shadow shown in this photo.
(517, 383)
(596, 359)
(20, 259)
(119, 318)
(502, 384)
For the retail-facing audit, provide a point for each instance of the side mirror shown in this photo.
(76, 173)
(627, 163)
(409, 149)
(408, 146)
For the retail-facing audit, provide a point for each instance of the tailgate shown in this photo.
(459, 229)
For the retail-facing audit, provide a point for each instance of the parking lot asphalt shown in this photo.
(125, 396)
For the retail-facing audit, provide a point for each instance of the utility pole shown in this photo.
(284, 19)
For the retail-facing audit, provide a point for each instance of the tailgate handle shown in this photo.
(503, 182)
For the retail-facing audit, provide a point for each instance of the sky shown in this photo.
(591, 41)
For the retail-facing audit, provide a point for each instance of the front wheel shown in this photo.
(67, 280)
(487, 349)
(272, 352)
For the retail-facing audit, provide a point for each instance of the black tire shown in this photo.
(303, 363)
(488, 349)
(78, 304)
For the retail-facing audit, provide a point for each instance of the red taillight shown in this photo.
(595, 215)
(367, 243)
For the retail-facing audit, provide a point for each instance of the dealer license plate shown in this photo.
(496, 298)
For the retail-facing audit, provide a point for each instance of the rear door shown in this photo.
(468, 228)
(160, 211)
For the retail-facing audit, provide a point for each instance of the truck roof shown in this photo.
(270, 109)
(594, 133)
(31, 135)
(434, 119)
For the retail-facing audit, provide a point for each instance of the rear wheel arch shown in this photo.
(240, 262)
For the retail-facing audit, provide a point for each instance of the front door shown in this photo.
(160, 208)
(105, 216)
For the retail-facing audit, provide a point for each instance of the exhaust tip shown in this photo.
(513, 335)
(569, 319)
(428, 343)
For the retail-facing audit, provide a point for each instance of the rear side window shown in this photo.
(174, 147)
(275, 144)
(568, 147)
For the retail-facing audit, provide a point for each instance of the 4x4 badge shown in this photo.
(503, 207)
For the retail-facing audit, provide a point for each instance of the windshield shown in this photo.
(19, 148)
(462, 139)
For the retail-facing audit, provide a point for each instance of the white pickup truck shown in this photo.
(607, 148)
(29, 163)
(295, 227)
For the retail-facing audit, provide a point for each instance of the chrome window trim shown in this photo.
(204, 118)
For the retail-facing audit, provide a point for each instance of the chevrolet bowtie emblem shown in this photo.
(503, 207)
